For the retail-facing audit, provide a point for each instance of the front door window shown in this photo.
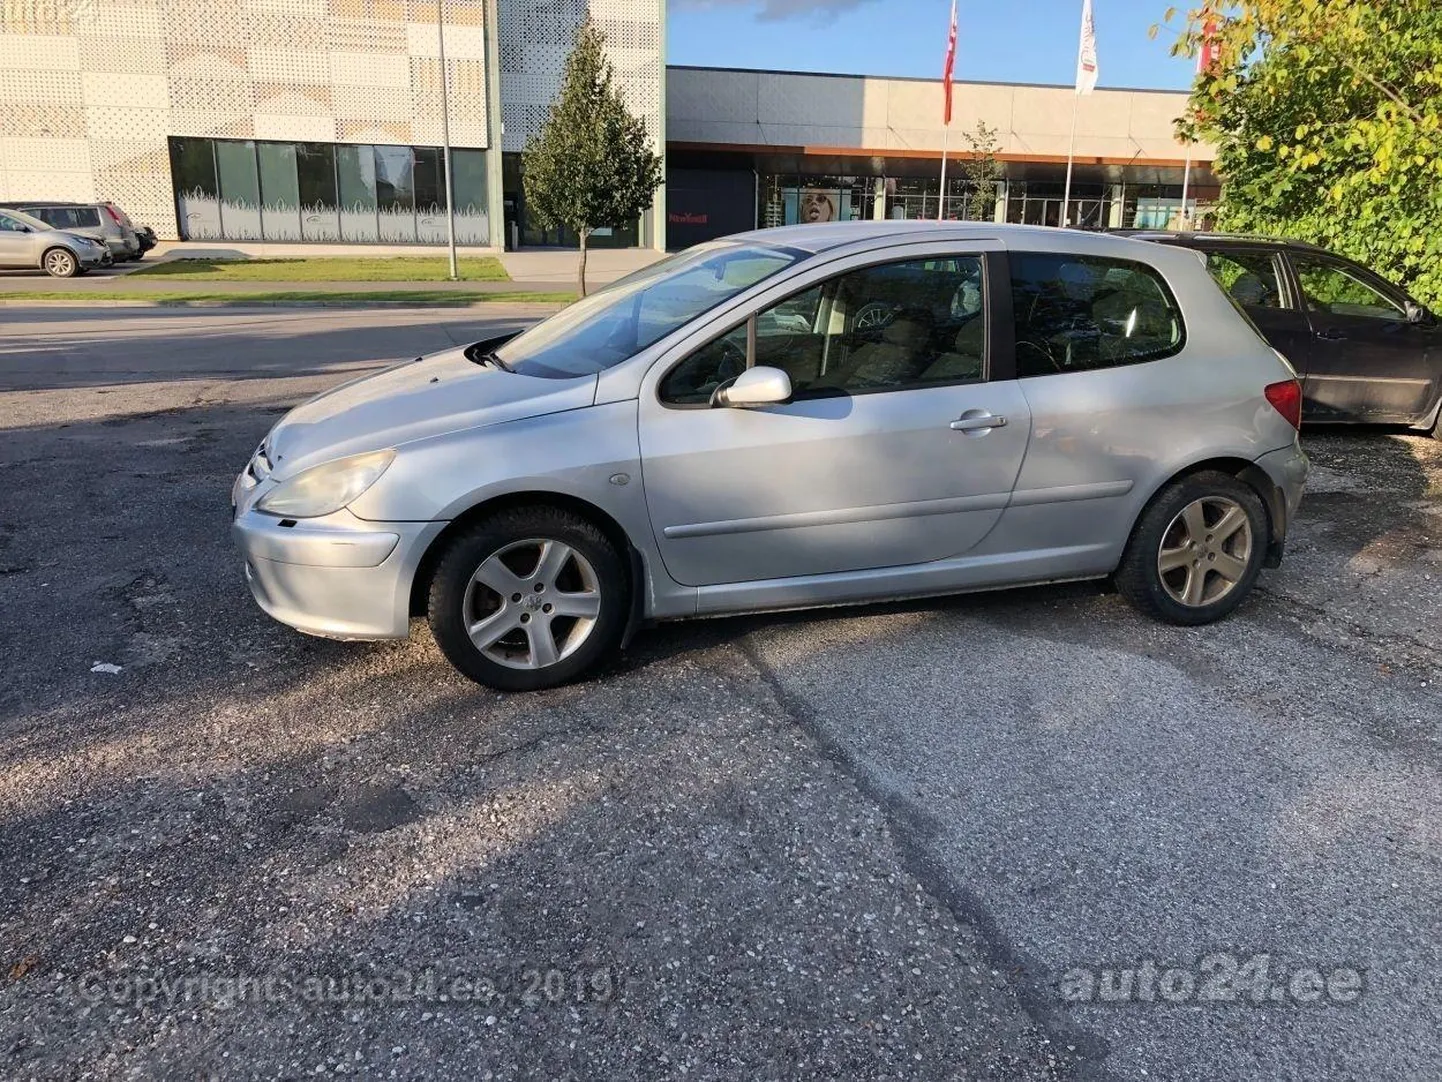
(1334, 290)
(890, 327)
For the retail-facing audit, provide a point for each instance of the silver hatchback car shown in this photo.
(815, 415)
(29, 242)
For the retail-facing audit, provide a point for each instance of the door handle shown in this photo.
(971, 424)
(1331, 335)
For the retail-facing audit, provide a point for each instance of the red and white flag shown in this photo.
(950, 65)
(1209, 54)
(1086, 61)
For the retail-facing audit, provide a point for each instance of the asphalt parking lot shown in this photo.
(914, 841)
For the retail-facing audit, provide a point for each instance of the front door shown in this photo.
(1368, 362)
(17, 244)
(895, 449)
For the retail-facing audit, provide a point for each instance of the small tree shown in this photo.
(591, 165)
(982, 171)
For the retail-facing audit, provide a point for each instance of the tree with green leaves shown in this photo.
(591, 165)
(1327, 118)
(982, 172)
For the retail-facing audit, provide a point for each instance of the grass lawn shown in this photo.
(328, 269)
(449, 298)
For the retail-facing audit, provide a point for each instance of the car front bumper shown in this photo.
(339, 577)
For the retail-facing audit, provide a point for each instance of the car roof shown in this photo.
(822, 237)
(1194, 239)
(15, 204)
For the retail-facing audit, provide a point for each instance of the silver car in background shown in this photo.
(27, 242)
(103, 221)
(813, 415)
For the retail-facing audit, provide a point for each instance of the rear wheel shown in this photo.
(60, 263)
(1196, 551)
(529, 598)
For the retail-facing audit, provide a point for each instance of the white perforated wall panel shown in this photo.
(536, 35)
(91, 89)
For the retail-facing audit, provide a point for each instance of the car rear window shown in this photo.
(1080, 313)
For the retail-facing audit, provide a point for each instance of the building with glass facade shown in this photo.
(299, 121)
(788, 147)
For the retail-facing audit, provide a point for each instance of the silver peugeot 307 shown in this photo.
(813, 415)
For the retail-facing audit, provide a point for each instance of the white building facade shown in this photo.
(297, 120)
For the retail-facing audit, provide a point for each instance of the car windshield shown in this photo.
(619, 321)
(27, 219)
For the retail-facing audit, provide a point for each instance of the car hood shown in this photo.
(430, 396)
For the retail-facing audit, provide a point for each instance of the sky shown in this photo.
(1011, 41)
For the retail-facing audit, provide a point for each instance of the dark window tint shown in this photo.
(192, 165)
(1332, 288)
(1249, 278)
(1078, 313)
(885, 328)
(430, 195)
(68, 217)
(316, 185)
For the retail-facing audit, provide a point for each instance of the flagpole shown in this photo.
(946, 110)
(1186, 186)
(941, 204)
(1070, 155)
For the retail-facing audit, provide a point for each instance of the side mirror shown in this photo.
(1415, 312)
(754, 387)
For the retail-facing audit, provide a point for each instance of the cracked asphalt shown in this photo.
(889, 842)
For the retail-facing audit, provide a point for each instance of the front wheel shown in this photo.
(529, 598)
(60, 263)
(1196, 551)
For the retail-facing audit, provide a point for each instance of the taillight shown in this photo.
(113, 216)
(1286, 399)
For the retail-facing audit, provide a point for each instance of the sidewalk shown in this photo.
(548, 270)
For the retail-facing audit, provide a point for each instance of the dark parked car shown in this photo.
(1366, 351)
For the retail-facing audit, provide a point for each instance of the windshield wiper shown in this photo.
(492, 359)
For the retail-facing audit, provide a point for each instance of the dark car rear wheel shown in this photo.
(1196, 551)
(529, 598)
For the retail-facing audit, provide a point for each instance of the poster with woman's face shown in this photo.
(812, 205)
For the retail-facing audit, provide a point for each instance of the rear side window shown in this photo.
(1080, 313)
(1249, 278)
(68, 217)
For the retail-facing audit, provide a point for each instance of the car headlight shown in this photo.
(326, 488)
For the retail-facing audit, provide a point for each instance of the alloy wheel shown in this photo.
(532, 603)
(60, 264)
(1205, 551)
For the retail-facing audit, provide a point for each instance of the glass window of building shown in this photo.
(242, 189)
(239, 190)
(316, 187)
(279, 192)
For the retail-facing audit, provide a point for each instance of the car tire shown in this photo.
(60, 263)
(529, 598)
(1196, 551)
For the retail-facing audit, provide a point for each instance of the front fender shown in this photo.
(590, 454)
